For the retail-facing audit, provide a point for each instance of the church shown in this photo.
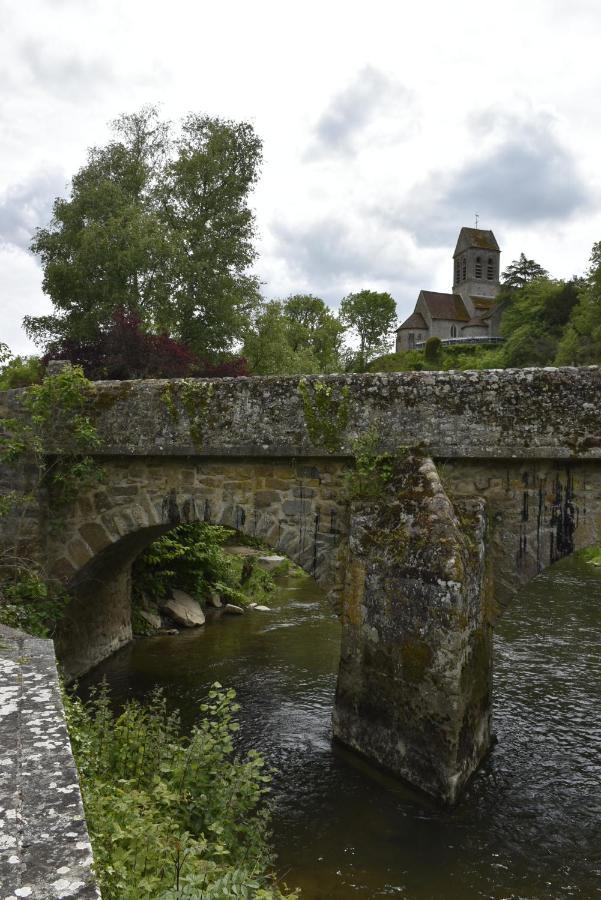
(469, 314)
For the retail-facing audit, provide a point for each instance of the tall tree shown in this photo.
(312, 326)
(581, 341)
(268, 348)
(157, 225)
(534, 319)
(521, 271)
(372, 315)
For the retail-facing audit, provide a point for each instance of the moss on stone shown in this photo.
(106, 396)
(326, 413)
(194, 398)
(168, 397)
(475, 673)
(416, 657)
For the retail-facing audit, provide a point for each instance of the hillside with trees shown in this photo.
(148, 264)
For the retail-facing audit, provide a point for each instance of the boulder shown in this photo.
(271, 562)
(184, 609)
(214, 600)
(261, 608)
(152, 617)
(233, 610)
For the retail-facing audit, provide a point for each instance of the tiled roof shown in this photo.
(445, 306)
(475, 237)
(415, 320)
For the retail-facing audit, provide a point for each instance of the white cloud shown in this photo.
(27, 205)
(384, 132)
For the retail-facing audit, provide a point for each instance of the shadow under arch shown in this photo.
(97, 621)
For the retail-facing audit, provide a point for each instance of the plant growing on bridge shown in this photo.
(373, 468)
(56, 434)
(172, 816)
(55, 416)
(194, 398)
(326, 412)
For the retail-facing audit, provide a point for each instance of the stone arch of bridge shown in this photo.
(538, 512)
(298, 510)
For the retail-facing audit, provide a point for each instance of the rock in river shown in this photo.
(151, 617)
(233, 610)
(184, 609)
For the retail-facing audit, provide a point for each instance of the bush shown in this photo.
(171, 816)
(28, 601)
(125, 351)
(192, 558)
(433, 353)
(21, 371)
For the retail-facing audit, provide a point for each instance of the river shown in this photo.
(529, 825)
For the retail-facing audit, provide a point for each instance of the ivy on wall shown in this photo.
(326, 412)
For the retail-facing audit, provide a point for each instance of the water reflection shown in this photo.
(530, 823)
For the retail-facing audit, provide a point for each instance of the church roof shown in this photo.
(445, 306)
(480, 321)
(475, 237)
(415, 320)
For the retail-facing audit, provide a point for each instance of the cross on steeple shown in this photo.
(477, 219)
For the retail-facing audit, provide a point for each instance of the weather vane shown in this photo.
(477, 219)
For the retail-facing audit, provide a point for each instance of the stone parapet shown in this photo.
(511, 413)
(45, 849)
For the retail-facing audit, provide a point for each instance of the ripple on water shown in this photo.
(529, 825)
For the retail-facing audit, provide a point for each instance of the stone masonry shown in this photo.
(503, 478)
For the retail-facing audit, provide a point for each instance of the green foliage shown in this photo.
(157, 225)
(313, 327)
(169, 815)
(372, 315)
(57, 410)
(433, 353)
(373, 468)
(192, 558)
(58, 416)
(193, 397)
(521, 271)
(453, 357)
(326, 412)
(19, 371)
(29, 601)
(189, 557)
(268, 345)
(299, 336)
(534, 319)
(581, 340)
(592, 555)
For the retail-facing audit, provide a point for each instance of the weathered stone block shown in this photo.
(414, 683)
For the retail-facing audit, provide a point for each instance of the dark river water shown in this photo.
(529, 825)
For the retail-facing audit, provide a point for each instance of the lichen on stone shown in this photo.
(326, 412)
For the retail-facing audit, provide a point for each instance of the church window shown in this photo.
(453, 331)
(457, 272)
(411, 341)
(478, 267)
(463, 269)
(490, 269)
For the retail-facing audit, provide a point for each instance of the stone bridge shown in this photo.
(496, 475)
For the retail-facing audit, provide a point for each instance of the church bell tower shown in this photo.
(476, 267)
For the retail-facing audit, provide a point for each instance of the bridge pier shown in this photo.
(414, 687)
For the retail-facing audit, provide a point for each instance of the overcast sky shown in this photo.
(386, 127)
